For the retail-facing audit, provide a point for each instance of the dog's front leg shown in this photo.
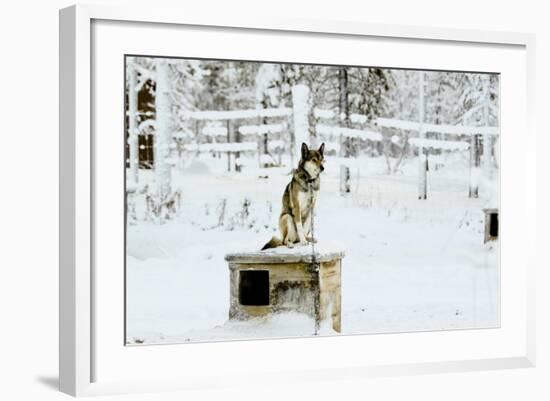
(297, 217)
(307, 227)
(301, 234)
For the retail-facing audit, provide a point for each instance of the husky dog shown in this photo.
(299, 199)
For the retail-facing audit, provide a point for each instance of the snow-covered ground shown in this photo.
(410, 265)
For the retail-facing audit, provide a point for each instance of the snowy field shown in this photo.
(410, 265)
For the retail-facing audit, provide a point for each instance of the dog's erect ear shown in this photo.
(305, 150)
(322, 149)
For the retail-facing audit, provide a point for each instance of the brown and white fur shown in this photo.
(299, 200)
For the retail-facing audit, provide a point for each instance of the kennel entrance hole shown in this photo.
(254, 287)
(493, 224)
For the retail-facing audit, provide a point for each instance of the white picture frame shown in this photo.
(79, 335)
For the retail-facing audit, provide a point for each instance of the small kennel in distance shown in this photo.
(491, 224)
(283, 280)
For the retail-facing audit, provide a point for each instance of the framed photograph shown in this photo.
(283, 198)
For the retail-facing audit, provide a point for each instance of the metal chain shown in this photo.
(312, 225)
(315, 267)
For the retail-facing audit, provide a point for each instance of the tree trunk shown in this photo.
(487, 139)
(162, 132)
(312, 122)
(300, 108)
(237, 135)
(228, 141)
(133, 139)
(264, 136)
(402, 154)
(259, 140)
(345, 176)
(422, 158)
(423, 174)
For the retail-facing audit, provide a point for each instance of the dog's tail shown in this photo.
(274, 242)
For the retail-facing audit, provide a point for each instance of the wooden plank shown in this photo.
(282, 256)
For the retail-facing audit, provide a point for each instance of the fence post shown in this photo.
(422, 158)
(474, 166)
(423, 174)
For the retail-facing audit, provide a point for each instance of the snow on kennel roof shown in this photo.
(440, 145)
(282, 254)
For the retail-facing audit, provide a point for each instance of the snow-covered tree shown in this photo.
(139, 111)
(400, 101)
(478, 101)
(301, 106)
(442, 93)
(479, 106)
(163, 129)
(229, 85)
(368, 92)
(317, 79)
(268, 94)
(185, 91)
(402, 97)
(133, 132)
(369, 87)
